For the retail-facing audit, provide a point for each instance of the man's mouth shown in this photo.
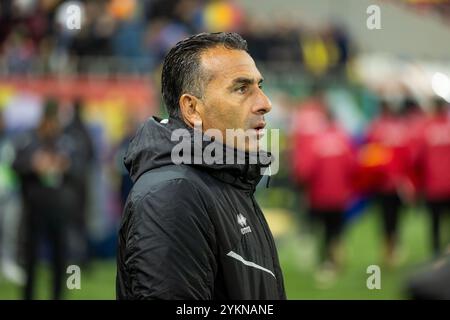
(259, 128)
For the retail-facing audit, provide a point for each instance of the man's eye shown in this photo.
(260, 86)
(242, 89)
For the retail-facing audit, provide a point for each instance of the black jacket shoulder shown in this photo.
(166, 219)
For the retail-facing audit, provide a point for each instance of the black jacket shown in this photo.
(192, 231)
(36, 189)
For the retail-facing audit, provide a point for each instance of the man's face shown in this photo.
(233, 98)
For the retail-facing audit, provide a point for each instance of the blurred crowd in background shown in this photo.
(70, 101)
(134, 36)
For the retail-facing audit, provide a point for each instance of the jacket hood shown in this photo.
(152, 148)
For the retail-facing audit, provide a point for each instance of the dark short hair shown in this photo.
(181, 72)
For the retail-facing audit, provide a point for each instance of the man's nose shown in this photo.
(262, 104)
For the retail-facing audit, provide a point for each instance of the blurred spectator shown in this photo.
(415, 120)
(19, 52)
(390, 133)
(9, 210)
(307, 122)
(160, 9)
(329, 187)
(433, 168)
(84, 151)
(94, 39)
(325, 51)
(45, 166)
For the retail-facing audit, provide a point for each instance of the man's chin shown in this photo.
(249, 140)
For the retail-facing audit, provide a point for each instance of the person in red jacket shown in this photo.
(434, 167)
(329, 186)
(416, 120)
(308, 121)
(390, 132)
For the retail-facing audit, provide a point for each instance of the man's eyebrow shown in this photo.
(245, 80)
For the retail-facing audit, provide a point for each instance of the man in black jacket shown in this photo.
(46, 164)
(191, 227)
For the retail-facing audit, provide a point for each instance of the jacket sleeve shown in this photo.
(171, 244)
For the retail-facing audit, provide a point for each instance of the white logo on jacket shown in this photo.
(243, 223)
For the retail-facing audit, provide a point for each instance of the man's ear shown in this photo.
(189, 109)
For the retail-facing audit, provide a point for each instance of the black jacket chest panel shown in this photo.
(246, 247)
